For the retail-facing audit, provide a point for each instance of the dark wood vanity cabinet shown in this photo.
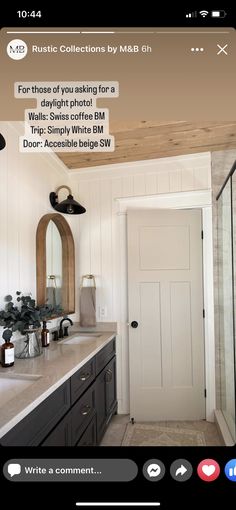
(61, 434)
(82, 379)
(78, 412)
(32, 430)
(105, 397)
(89, 437)
(82, 413)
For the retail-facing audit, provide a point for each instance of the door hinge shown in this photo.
(205, 392)
(202, 234)
(132, 421)
(203, 313)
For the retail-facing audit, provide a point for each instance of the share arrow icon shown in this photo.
(181, 470)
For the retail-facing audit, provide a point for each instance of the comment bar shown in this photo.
(70, 470)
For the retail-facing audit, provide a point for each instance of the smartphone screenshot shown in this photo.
(117, 258)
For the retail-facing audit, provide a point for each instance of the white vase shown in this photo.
(29, 346)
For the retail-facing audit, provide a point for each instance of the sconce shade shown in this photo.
(2, 142)
(68, 206)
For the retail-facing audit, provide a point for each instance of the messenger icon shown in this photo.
(153, 470)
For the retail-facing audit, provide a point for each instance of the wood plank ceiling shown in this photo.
(140, 140)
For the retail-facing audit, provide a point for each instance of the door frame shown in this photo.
(183, 200)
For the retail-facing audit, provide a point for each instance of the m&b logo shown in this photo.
(17, 49)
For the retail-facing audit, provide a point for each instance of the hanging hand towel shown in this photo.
(53, 296)
(88, 307)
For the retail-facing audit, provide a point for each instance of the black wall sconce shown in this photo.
(2, 142)
(68, 206)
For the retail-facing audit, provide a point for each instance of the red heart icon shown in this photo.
(208, 470)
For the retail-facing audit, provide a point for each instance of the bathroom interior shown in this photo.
(81, 389)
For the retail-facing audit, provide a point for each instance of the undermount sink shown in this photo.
(13, 384)
(81, 338)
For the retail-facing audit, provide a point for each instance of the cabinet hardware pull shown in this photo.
(108, 375)
(85, 376)
(86, 410)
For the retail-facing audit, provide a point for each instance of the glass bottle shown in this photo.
(45, 335)
(7, 354)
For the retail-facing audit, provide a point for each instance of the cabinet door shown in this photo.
(89, 436)
(100, 394)
(110, 387)
(105, 397)
(61, 435)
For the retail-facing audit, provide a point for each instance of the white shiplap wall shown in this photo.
(100, 231)
(26, 181)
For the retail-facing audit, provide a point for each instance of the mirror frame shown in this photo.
(68, 261)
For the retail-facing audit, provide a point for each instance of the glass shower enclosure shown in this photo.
(226, 209)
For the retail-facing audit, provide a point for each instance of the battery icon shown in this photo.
(218, 14)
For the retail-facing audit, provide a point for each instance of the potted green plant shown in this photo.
(24, 316)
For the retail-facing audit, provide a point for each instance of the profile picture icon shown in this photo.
(17, 49)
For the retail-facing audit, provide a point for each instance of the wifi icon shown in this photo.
(204, 13)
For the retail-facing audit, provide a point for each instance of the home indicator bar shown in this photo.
(130, 504)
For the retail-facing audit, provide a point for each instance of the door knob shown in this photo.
(134, 324)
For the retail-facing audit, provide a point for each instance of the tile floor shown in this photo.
(118, 425)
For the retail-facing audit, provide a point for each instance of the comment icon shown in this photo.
(14, 469)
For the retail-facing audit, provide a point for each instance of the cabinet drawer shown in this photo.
(61, 434)
(32, 430)
(81, 414)
(82, 379)
(88, 438)
(105, 355)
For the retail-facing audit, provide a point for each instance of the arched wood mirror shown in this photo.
(55, 262)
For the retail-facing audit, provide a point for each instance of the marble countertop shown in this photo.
(57, 363)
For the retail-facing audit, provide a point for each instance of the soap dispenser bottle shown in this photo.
(7, 354)
(45, 335)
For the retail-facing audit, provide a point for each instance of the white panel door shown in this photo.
(166, 350)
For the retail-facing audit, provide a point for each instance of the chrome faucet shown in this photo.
(64, 332)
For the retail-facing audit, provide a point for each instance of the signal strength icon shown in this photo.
(191, 14)
(203, 13)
